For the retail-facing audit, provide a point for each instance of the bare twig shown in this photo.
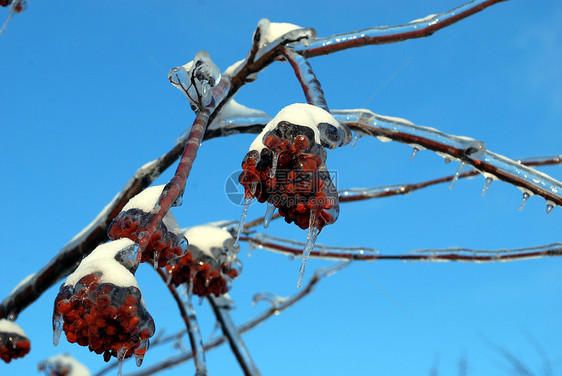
(295, 248)
(235, 341)
(391, 34)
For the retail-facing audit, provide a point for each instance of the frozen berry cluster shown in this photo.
(13, 342)
(100, 304)
(164, 244)
(290, 173)
(63, 365)
(109, 319)
(210, 263)
(167, 241)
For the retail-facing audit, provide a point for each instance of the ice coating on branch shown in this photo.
(424, 19)
(452, 147)
(196, 78)
(272, 31)
(167, 241)
(13, 341)
(103, 261)
(63, 365)
(211, 261)
(327, 130)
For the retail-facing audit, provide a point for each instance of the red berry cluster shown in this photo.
(109, 319)
(18, 8)
(290, 173)
(13, 346)
(164, 244)
(205, 275)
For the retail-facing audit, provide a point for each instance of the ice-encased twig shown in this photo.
(294, 248)
(390, 34)
(235, 116)
(248, 325)
(230, 331)
(189, 317)
(356, 194)
(464, 149)
(309, 83)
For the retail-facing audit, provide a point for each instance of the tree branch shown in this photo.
(392, 34)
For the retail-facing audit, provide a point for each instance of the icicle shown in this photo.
(268, 214)
(139, 357)
(57, 329)
(253, 187)
(313, 232)
(247, 202)
(525, 198)
(414, 153)
(120, 357)
(487, 183)
(460, 169)
(273, 169)
(192, 274)
(549, 206)
(156, 256)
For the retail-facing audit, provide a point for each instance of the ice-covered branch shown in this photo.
(357, 194)
(274, 310)
(294, 248)
(190, 320)
(309, 83)
(468, 151)
(390, 34)
(16, 6)
(220, 308)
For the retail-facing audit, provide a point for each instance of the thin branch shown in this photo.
(468, 151)
(190, 322)
(230, 331)
(358, 194)
(309, 83)
(274, 310)
(294, 248)
(391, 34)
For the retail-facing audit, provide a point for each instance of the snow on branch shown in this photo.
(390, 34)
(294, 248)
(468, 151)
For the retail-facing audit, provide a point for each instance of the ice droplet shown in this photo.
(447, 160)
(549, 206)
(414, 153)
(179, 201)
(487, 185)
(525, 198)
(144, 344)
(253, 187)
(460, 169)
(57, 328)
(268, 214)
(273, 169)
(247, 202)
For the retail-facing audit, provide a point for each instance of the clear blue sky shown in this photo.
(85, 101)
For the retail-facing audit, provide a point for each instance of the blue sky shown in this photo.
(85, 101)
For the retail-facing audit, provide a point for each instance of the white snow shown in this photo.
(102, 259)
(274, 30)
(206, 237)
(301, 114)
(423, 19)
(67, 361)
(232, 70)
(234, 109)
(7, 326)
(147, 202)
